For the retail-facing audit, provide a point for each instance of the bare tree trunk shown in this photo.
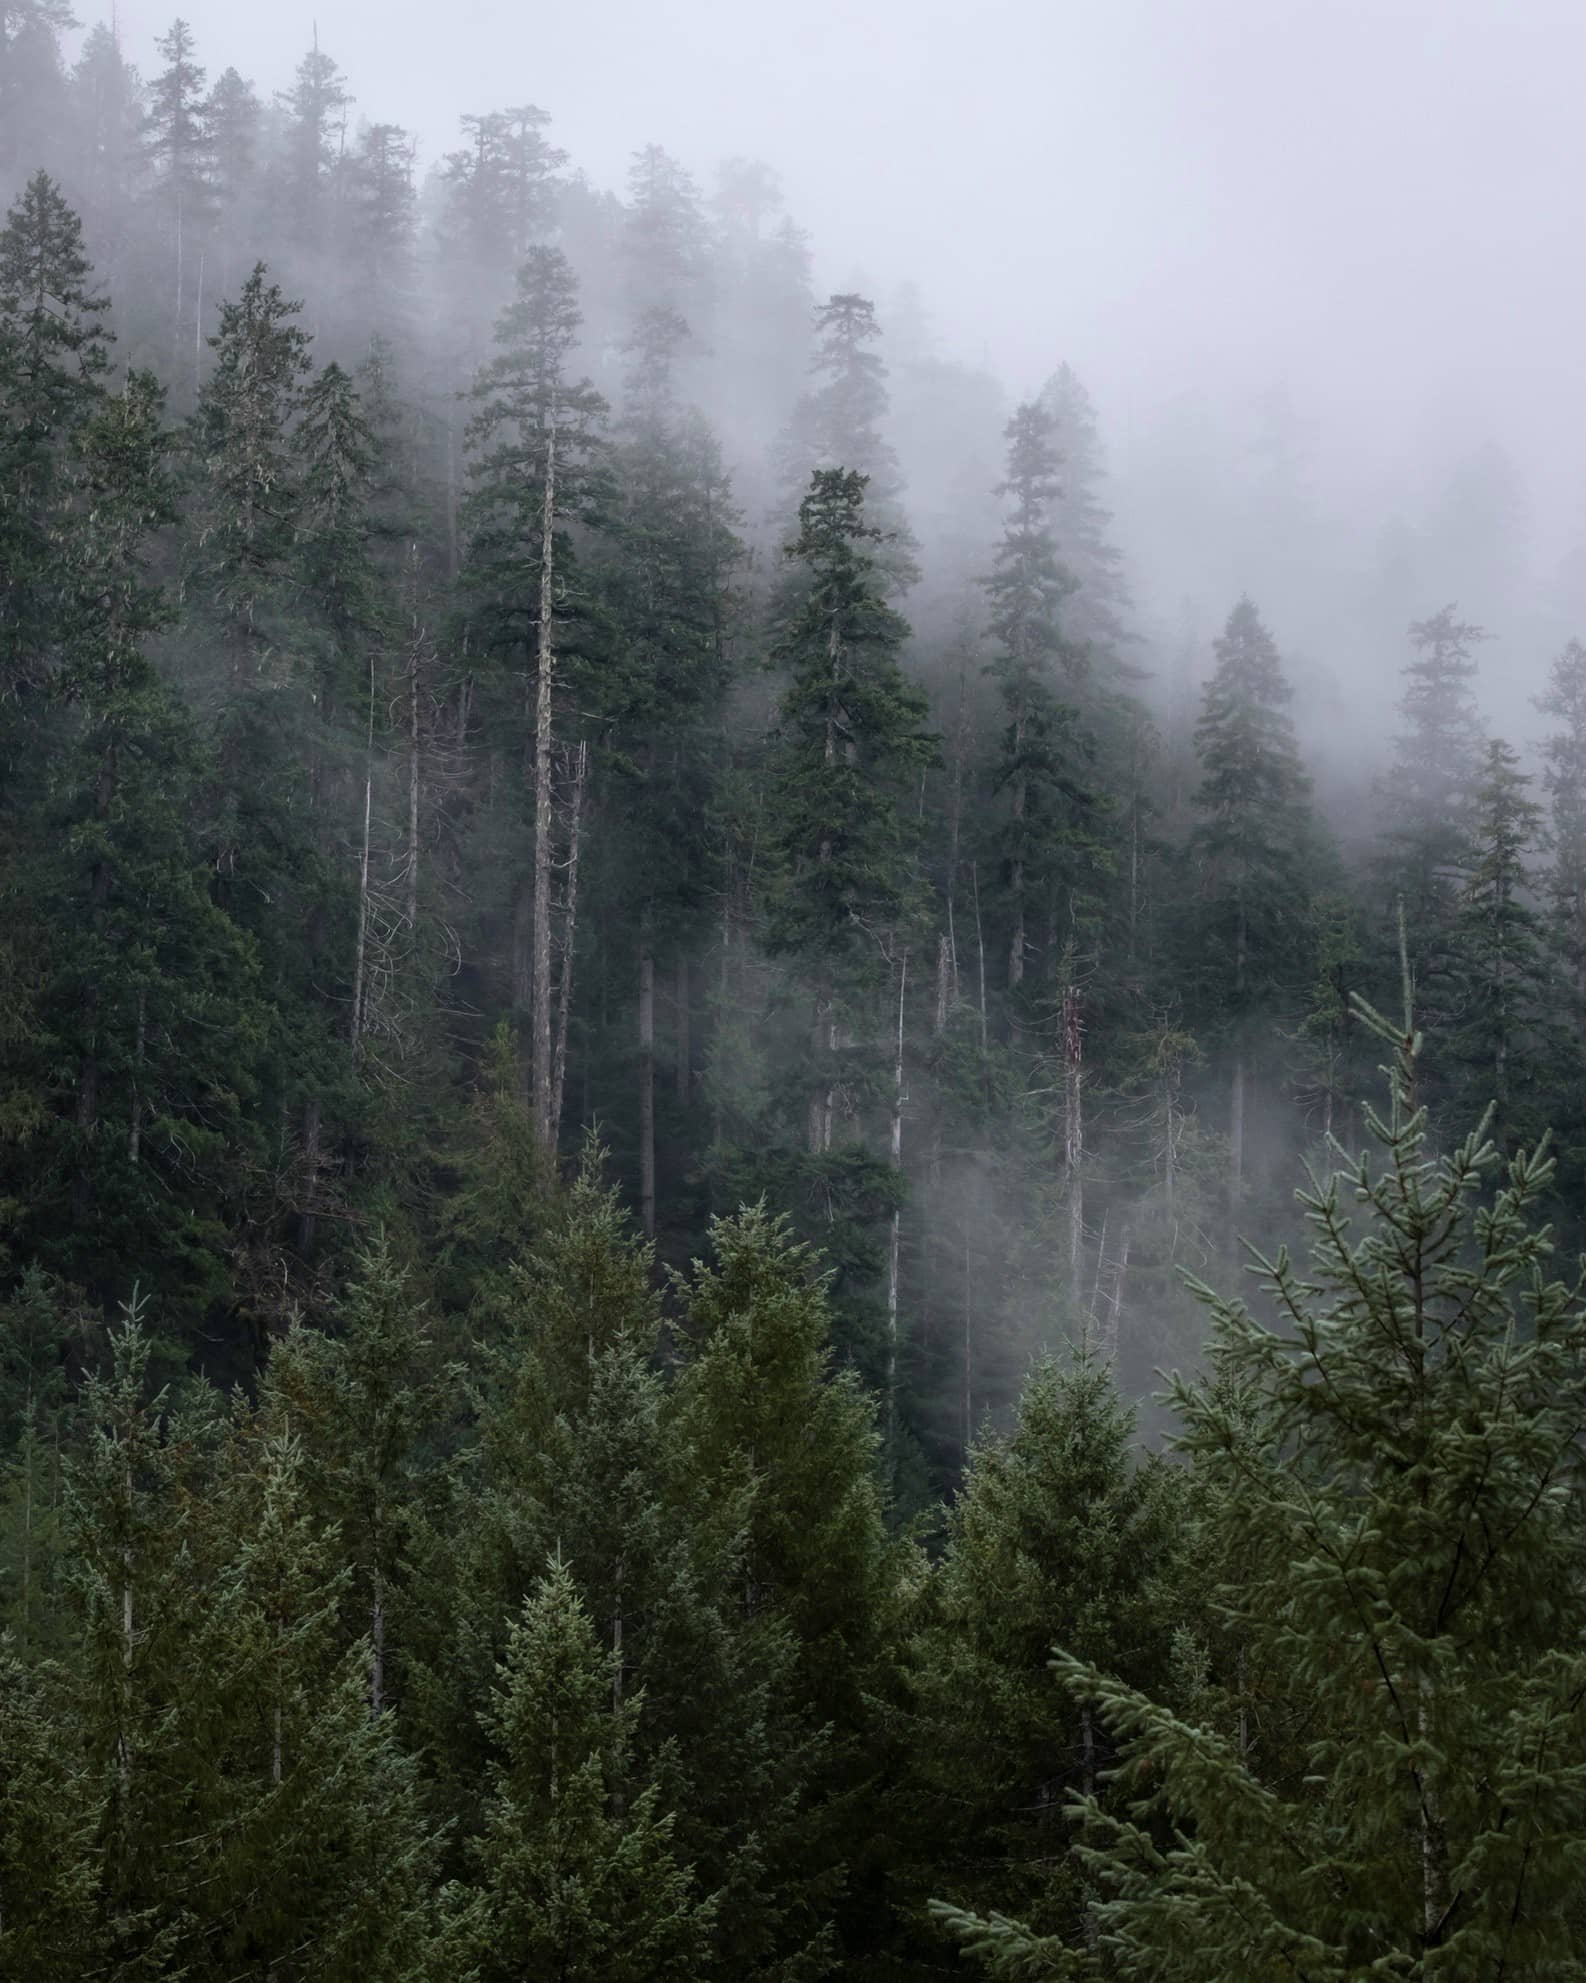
(969, 1334)
(683, 1039)
(646, 1078)
(543, 822)
(307, 1220)
(943, 981)
(564, 997)
(1236, 1149)
(1074, 1139)
(980, 952)
(410, 907)
(360, 965)
(894, 1242)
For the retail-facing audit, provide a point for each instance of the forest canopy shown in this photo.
(637, 1007)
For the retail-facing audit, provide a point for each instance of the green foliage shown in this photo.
(1393, 1463)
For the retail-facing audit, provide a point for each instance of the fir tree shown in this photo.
(1097, 609)
(1405, 1800)
(535, 442)
(176, 143)
(839, 424)
(1062, 1534)
(1428, 797)
(577, 1873)
(1252, 846)
(1499, 937)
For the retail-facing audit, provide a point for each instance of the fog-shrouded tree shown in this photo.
(176, 144)
(1401, 1795)
(536, 440)
(1254, 846)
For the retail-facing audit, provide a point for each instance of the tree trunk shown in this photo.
(307, 1220)
(135, 1127)
(360, 974)
(646, 1079)
(564, 995)
(543, 823)
(683, 1038)
(894, 1241)
(1074, 1141)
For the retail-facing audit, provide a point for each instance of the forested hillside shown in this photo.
(634, 1009)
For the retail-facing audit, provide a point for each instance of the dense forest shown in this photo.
(635, 1009)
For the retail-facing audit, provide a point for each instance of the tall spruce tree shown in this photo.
(1250, 926)
(535, 440)
(1428, 797)
(1394, 1463)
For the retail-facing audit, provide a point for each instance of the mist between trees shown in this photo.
(635, 1004)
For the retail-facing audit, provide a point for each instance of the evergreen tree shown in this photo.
(53, 358)
(535, 442)
(839, 424)
(1062, 1534)
(315, 122)
(1405, 1800)
(177, 146)
(1253, 848)
(850, 739)
(1428, 797)
(577, 1874)
(1097, 610)
(1025, 592)
(1564, 781)
(31, 84)
(1500, 940)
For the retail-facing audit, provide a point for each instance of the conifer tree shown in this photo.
(1405, 1801)
(48, 1926)
(535, 441)
(1251, 925)
(839, 424)
(787, 1445)
(31, 84)
(249, 490)
(1097, 610)
(315, 110)
(176, 144)
(108, 131)
(1499, 937)
(850, 738)
(1564, 781)
(1427, 797)
(1060, 1535)
(53, 357)
(577, 1872)
(1025, 593)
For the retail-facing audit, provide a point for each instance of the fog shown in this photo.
(1327, 246)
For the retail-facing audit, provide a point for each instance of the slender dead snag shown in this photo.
(1074, 1137)
(543, 822)
(646, 1076)
(895, 1237)
(360, 966)
(564, 999)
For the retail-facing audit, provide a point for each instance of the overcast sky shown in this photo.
(1377, 201)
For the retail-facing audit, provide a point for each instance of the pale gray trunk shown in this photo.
(646, 1080)
(564, 995)
(894, 1243)
(544, 741)
(360, 972)
(1074, 1140)
(683, 1038)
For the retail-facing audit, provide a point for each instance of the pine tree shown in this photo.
(53, 358)
(249, 494)
(177, 146)
(1060, 1534)
(850, 738)
(1097, 610)
(1499, 937)
(1025, 592)
(535, 442)
(577, 1874)
(48, 1929)
(108, 132)
(786, 1445)
(31, 85)
(839, 424)
(315, 112)
(1405, 1800)
(1564, 781)
(1250, 925)
(234, 121)
(1428, 796)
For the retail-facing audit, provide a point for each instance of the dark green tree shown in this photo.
(1394, 1462)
